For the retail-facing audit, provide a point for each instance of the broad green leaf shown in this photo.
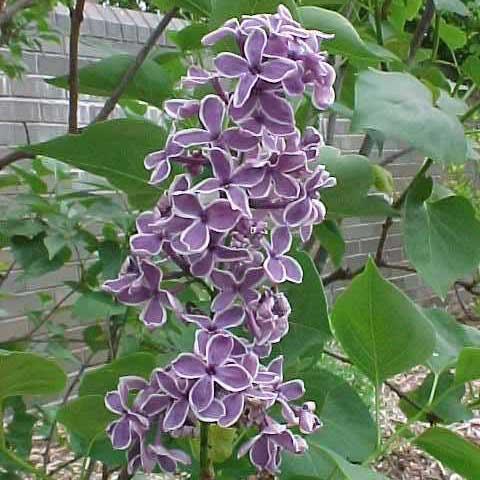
(198, 7)
(452, 6)
(29, 374)
(452, 450)
(86, 417)
(99, 305)
(114, 150)
(153, 83)
(111, 257)
(442, 238)
(20, 426)
(348, 428)
(223, 10)
(468, 366)
(320, 463)
(471, 68)
(401, 107)
(355, 177)
(36, 184)
(451, 338)
(330, 237)
(190, 37)
(105, 378)
(347, 41)
(446, 406)
(32, 256)
(453, 36)
(372, 312)
(451, 105)
(309, 317)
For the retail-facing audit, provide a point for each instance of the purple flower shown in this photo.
(159, 162)
(144, 287)
(212, 114)
(229, 180)
(218, 368)
(251, 69)
(231, 288)
(181, 109)
(266, 447)
(278, 266)
(218, 216)
(132, 423)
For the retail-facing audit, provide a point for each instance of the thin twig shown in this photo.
(421, 30)
(52, 312)
(76, 19)
(135, 66)
(395, 156)
(66, 396)
(12, 10)
(5, 275)
(14, 156)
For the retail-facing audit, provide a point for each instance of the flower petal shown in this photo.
(220, 216)
(196, 237)
(213, 412)
(254, 46)
(276, 108)
(281, 240)
(230, 65)
(234, 404)
(233, 317)
(233, 378)
(293, 270)
(192, 136)
(201, 394)
(239, 139)
(219, 348)
(221, 164)
(276, 70)
(188, 365)
(212, 111)
(244, 88)
(176, 415)
(187, 205)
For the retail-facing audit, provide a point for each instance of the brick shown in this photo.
(12, 134)
(143, 29)
(5, 89)
(127, 25)
(34, 86)
(62, 17)
(113, 28)
(13, 328)
(52, 65)
(53, 279)
(40, 132)
(19, 110)
(94, 20)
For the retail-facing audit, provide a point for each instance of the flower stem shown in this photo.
(206, 471)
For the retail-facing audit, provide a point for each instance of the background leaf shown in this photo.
(29, 374)
(121, 161)
(401, 107)
(368, 315)
(452, 450)
(442, 238)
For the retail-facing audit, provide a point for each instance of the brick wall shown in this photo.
(31, 110)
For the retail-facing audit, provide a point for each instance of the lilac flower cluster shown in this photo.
(251, 181)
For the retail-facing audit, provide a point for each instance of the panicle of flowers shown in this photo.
(250, 182)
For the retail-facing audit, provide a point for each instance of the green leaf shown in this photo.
(111, 256)
(401, 107)
(320, 463)
(104, 379)
(121, 145)
(471, 68)
(350, 196)
(451, 338)
(153, 83)
(309, 324)
(383, 180)
(468, 366)
(33, 257)
(96, 338)
(451, 105)
(223, 10)
(221, 442)
(198, 7)
(452, 450)
(446, 406)
(36, 183)
(347, 41)
(348, 428)
(190, 37)
(453, 36)
(431, 228)
(330, 237)
(29, 374)
(368, 315)
(20, 427)
(96, 306)
(86, 417)
(452, 6)
(55, 243)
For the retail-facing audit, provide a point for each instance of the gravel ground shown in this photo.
(405, 462)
